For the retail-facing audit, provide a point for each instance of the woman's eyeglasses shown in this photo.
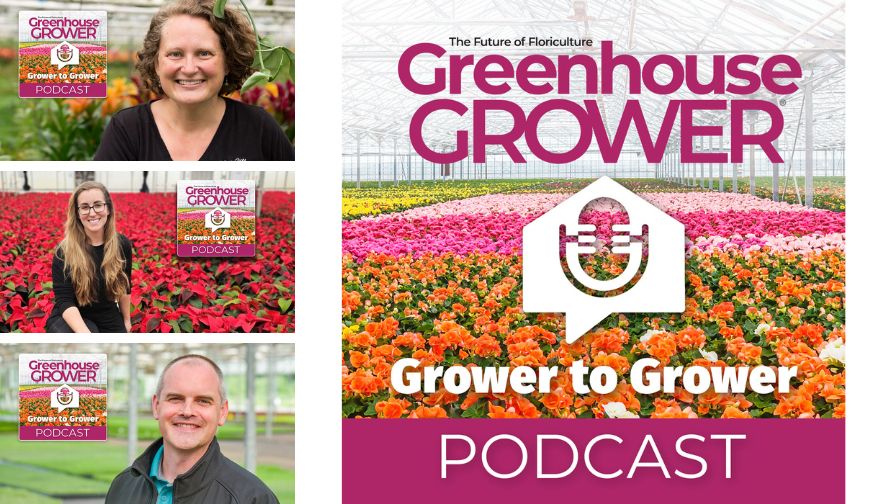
(97, 207)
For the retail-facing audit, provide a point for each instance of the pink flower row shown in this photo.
(200, 214)
(539, 203)
(778, 244)
(502, 232)
(45, 392)
(45, 49)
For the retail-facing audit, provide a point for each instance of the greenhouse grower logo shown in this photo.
(62, 397)
(64, 54)
(216, 218)
(546, 287)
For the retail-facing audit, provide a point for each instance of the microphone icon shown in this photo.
(622, 244)
(554, 282)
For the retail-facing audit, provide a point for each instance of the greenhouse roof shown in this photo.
(376, 106)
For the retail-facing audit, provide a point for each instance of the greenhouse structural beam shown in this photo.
(251, 444)
(810, 137)
(133, 399)
(358, 157)
(752, 155)
(272, 393)
(776, 168)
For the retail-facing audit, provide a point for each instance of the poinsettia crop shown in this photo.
(169, 293)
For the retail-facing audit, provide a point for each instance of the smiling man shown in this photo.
(186, 466)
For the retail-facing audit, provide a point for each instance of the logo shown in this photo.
(652, 280)
(64, 54)
(217, 219)
(64, 397)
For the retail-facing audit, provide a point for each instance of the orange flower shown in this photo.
(671, 409)
(732, 412)
(433, 412)
(690, 337)
(358, 359)
(723, 311)
(363, 382)
(499, 412)
(619, 363)
(392, 408)
(440, 396)
(77, 105)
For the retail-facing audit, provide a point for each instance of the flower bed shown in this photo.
(169, 294)
(370, 201)
(442, 284)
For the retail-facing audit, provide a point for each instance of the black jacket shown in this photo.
(215, 479)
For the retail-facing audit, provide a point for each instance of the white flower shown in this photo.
(834, 350)
(649, 334)
(761, 329)
(710, 356)
(617, 410)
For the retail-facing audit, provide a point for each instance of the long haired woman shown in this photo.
(91, 267)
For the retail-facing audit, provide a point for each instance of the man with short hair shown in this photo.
(186, 466)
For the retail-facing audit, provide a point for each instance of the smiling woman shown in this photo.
(91, 267)
(191, 59)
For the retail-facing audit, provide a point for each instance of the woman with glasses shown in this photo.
(91, 267)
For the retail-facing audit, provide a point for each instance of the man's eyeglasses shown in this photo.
(97, 207)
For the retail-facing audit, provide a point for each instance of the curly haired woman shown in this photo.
(192, 59)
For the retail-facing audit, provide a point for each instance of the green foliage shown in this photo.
(270, 59)
(28, 478)
(60, 136)
(20, 496)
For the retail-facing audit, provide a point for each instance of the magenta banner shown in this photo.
(680, 461)
(208, 250)
(62, 433)
(62, 90)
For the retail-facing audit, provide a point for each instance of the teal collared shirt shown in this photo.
(163, 488)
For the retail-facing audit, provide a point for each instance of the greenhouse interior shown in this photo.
(377, 109)
(259, 381)
(445, 163)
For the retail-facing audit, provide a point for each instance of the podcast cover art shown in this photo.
(62, 54)
(62, 397)
(567, 217)
(216, 218)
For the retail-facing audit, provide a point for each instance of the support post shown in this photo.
(752, 155)
(272, 392)
(358, 158)
(133, 399)
(250, 436)
(776, 168)
(810, 144)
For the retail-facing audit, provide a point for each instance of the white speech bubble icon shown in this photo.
(64, 397)
(216, 219)
(546, 287)
(64, 54)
